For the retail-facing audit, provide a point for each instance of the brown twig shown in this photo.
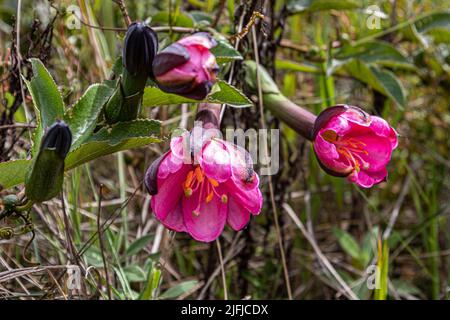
(108, 222)
(156, 29)
(271, 189)
(246, 28)
(100, 240)
(219, 13)
(222, 269)
(17, 125)
(69, 244)
(347, 290)
(124, 11)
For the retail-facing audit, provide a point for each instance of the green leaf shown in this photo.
(201, 17)
(82, 117)
(134, 273)
(347, 242)
(152, 282)
(138, 245)
(126, 289)
(176, 19)
(440, 35)
(295, 66)
(369, 245)
(433, 21)
(433, 27)
(222, 92)
(383, 269)
(381, 80)
(377, 52)
(405, 288)
(225, 52)
(179, 289)
(154, 97)
(47, 100)
(13, 172)
(297, 6)
(122, 136)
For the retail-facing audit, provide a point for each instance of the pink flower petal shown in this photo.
(206, 221)
(169, 194)
(378, 150)
(180, 147)
(170, 164)
(195, 69)
(174, 220)
(238, 217)
(177, 76)
(356, 116)
(215, 161)
(209, 65)
(329, 157)
(242, 167)
(366, 179)
(382, 128)
(339, 125)
(249, 199)
(197, 40)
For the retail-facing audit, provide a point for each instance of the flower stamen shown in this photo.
(349, 148)
(196, 179)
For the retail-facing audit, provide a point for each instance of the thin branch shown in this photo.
(19, 61)
(17, 125)
(100, 240)
(396, 210)
(319, 253)
(219, 13)
(156, 29)
(271, 189)
(222, 269)
(124, 11)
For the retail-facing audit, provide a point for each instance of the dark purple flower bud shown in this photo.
(139, 50)
(58, 138)
(187, 67)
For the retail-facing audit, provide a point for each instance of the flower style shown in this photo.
(218, 186)
(350, 143)
(187, 67)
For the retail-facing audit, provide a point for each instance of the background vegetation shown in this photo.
(320, 53)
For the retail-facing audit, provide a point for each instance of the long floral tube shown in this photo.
(347, 141)
(296, 117)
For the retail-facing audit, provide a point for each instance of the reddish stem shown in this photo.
(296, 117)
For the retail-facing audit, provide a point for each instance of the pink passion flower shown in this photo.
(350, 143)
(200, 193)
(187, 67)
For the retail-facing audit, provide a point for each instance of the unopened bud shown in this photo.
(45, 178)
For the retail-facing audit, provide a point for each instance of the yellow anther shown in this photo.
(188, 192)
(213, 182)
(224, 198)
(209, 197)
(188, 180)
(199, 174)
